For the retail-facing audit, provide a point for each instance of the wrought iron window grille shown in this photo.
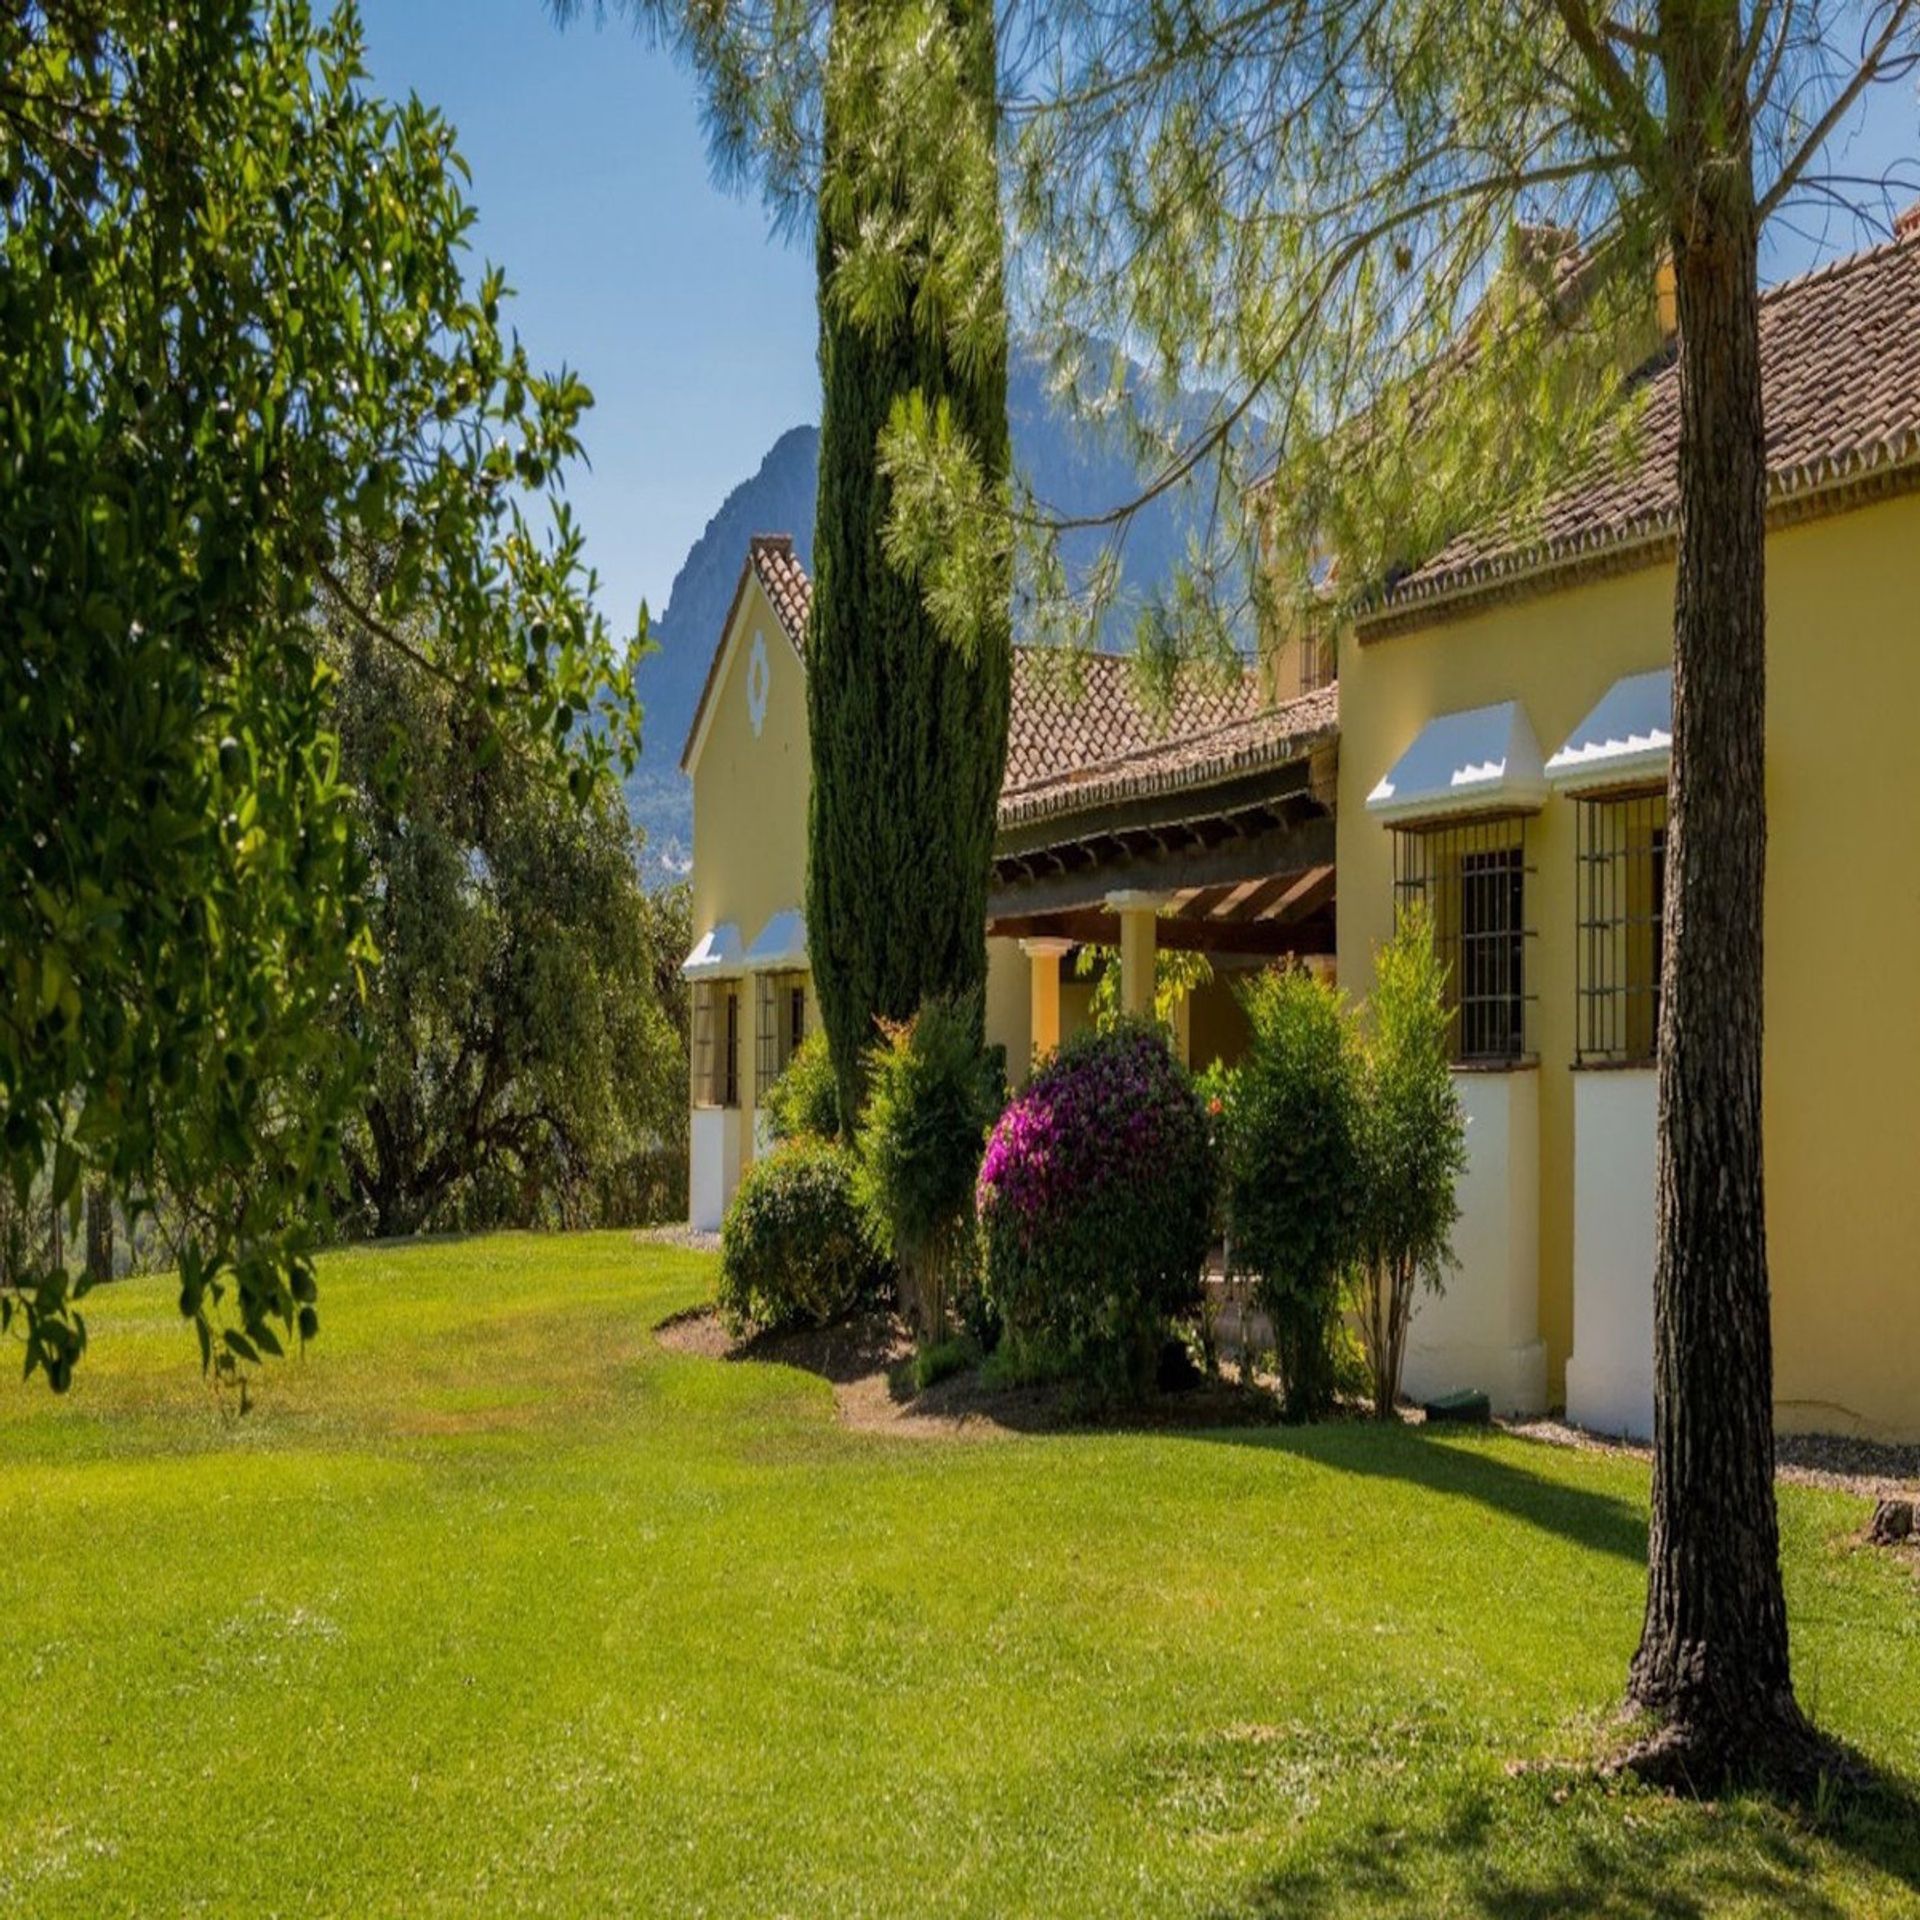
(780, 1024)
(1620, 890)
(1471, 876)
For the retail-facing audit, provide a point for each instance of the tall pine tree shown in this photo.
(908, 723)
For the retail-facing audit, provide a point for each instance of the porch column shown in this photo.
(1044, 957)
(1138, 944)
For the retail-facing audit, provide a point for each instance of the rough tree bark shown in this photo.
(99, 1232)
(1712, 1664)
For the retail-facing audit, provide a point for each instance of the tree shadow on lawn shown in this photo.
(868, 1361)
(1619, 1853)
(1420, 1456)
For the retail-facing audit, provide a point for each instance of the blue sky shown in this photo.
(693, 327)
(691, 323)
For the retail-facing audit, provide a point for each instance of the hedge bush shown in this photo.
(1096, 1202)
(1413, 1148)
(805, 1100)
(1294, 1184)
(932, 1093)
(794, 1246)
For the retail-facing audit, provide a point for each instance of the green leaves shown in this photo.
(523, 1038)
(239, 355)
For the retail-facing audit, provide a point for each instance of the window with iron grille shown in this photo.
(703, 1043)
(1318, 662)
(780, 1024)
(766, 1037)
(716, 1043)
(1621, 892)
(1471, 875)
(727, 1078)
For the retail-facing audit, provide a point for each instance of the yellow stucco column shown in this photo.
(1044, 957)
(1138, 944)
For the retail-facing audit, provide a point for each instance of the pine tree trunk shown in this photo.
(1712, 1663)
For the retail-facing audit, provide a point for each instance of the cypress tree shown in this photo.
(908, 729)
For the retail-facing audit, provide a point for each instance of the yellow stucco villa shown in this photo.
(1491, 738)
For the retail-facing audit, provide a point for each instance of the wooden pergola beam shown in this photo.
(1255, 939)
(1300, 842)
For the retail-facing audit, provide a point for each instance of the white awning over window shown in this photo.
(1628, 736)
(782, 944)
(1486, 757)
(717, 956)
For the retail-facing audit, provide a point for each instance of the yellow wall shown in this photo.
(1843, 919)
(750, 832)
(750, 802)
(1216, 1027)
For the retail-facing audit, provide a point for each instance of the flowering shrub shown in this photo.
(1096, 1202)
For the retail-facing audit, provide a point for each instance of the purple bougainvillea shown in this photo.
(1095, 1198)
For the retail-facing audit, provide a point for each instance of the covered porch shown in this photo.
(1230, 855)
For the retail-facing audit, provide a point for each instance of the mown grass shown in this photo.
(491, 1606)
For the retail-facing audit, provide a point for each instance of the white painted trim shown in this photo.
(1137, 900)
(1610, 1370)
(713, 1165)
(1466, 762)
(716, 955)
(780, 946)
(1627, 737)
(1482, 1330)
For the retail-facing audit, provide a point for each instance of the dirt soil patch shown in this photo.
(869, 1364)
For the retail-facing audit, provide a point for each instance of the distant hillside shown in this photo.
(1066, 469)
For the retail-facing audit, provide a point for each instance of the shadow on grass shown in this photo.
(874, 1348)
(1600, 1853)
(1604, 1522)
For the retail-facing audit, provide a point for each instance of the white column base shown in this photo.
(1610, 1371)
(713, 1165)
(1482, 1333)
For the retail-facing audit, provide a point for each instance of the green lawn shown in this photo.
(491, 1606)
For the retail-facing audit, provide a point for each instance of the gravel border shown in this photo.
(679, 1234)
(1872, 1469)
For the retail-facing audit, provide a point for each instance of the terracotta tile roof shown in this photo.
(786, 583)
(1079, 734)
(1244, 744)
(1072, 711)
(1840, 363)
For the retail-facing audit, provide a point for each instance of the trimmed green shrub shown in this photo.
(1413, 1148)
(805, 1099)
(943, 1360)
(1096, 1207)
(1294, 1186)
(794, 1247)
(931, 1095)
